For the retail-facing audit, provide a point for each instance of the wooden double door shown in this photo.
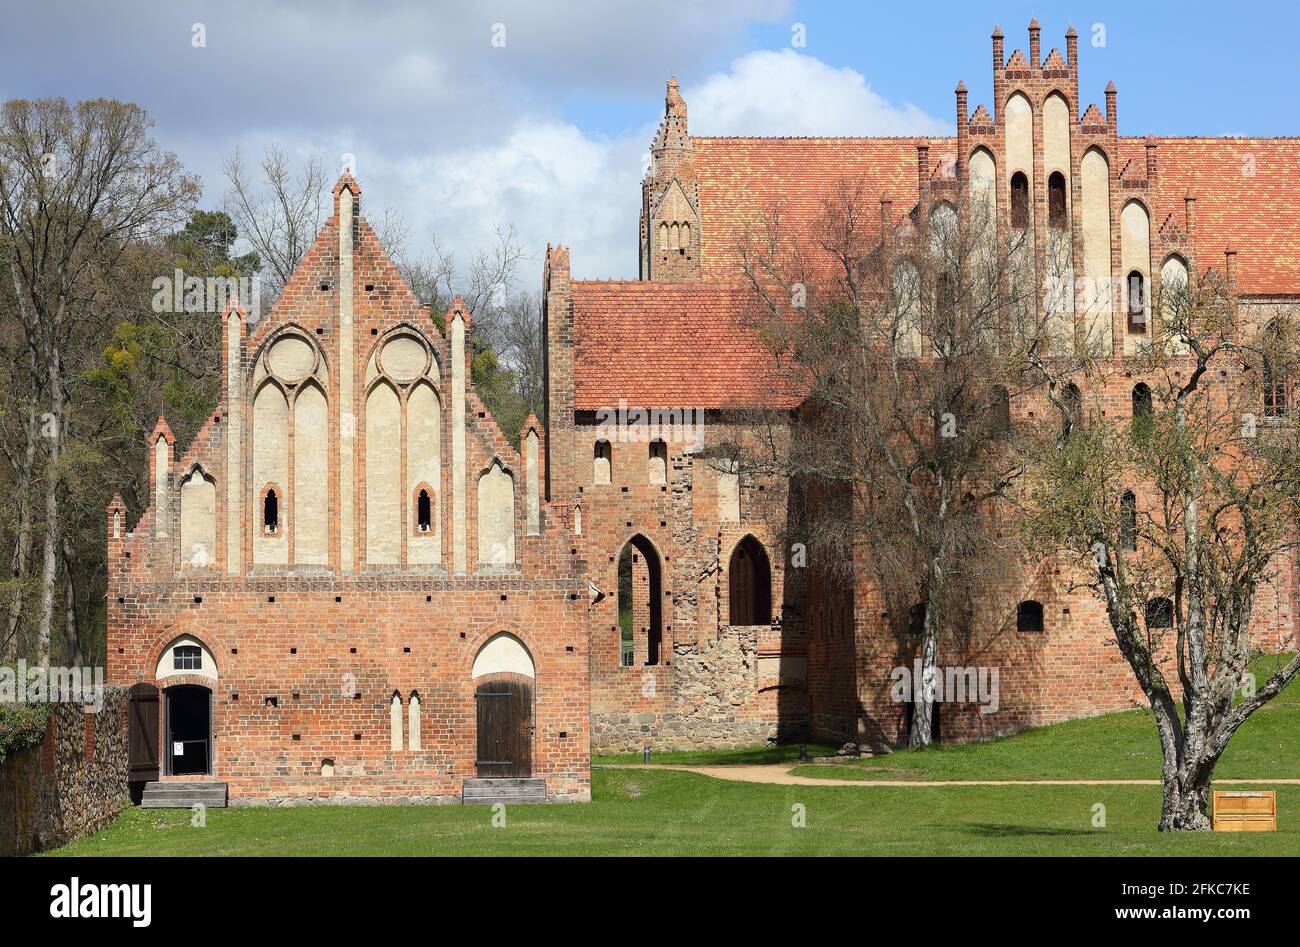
(505, 728)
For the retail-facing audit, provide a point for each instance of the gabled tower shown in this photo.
(670, 217)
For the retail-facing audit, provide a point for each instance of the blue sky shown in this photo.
(547, 130)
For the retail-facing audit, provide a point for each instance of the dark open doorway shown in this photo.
(189, 730)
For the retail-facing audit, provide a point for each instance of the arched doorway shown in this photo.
(640, 595)
(503, 706)
(188, 747)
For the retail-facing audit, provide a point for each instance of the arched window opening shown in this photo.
(1056, 216)
(1029, 616)
(1001, 414)
(749, 585)
(640, 601)
(270, 512)
(1160, 613)
(1019, 200)
(1274, 380)
(1128, 522)
(603, 462)
(1072, 398)
(1137, 303)
(577, 520)
(916, 620)
(1141, 400)
(423, 512)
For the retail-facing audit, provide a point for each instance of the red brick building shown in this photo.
(351, 587)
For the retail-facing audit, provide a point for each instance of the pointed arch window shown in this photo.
(423, 512)
(1128, 522)
(602, 462)
(1160, 613)
(1274, 378)
(1137, 303)
(1057, 218)
(1019, 200)
(749, 584)
(270, 511)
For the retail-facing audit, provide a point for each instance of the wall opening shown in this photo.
(640, 595)
(1057, 218)
(1029, 616)
(423, 512)
(749, 584)
(1019, 200)
(270, 512)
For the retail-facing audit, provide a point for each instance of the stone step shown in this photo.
(510, 791)
(160, 795)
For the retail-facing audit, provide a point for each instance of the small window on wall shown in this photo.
(1029, 616)
(187, 657)
(1274, 378)
(602, 462)
(1160, 613)
(423, 512)
(1019, 200)
(1137, 303)
(1056, 215)
(270, 512)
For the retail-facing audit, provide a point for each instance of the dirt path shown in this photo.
(779, 774)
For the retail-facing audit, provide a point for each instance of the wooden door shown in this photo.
(142, 734)
(505, 729)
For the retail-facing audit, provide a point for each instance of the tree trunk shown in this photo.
(71, 626)
(1186, 807)
(923, 689)
(50, 546)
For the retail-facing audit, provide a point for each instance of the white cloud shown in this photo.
(787, 93)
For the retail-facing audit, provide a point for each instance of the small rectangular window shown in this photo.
(187, 657)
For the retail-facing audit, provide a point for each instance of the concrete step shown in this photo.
(160, 795)
(511, 791)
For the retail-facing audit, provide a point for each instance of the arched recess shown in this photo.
(749, 584)
(1174, 302)
(270, 467)
(383, 475)
(503, 653)
(1135, 257)
(602, 469)
(640, 602)
(198, 520)
(423, 467)
(496, 517)
(1020, 143)
(906, 281)
(1094, 187)
(311, 475)
(983, 222)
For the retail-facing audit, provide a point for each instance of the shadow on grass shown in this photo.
(1000, 830)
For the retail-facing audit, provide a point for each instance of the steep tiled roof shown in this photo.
(671, 345)
(1246, 194)
(740, 179)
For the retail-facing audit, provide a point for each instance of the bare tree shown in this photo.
(1178, 517)
(78, 185)
(279, 214)
(907, 347)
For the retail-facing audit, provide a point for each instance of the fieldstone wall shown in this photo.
(72, 784)
(717, 703)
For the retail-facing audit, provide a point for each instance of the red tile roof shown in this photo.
(671, 345)
(740, 179)
(1247, 193)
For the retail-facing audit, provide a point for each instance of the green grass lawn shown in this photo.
(639, 811)
(659, 812)
(752, 755)
(1113, 746)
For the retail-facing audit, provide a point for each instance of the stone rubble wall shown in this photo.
(72, 784)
